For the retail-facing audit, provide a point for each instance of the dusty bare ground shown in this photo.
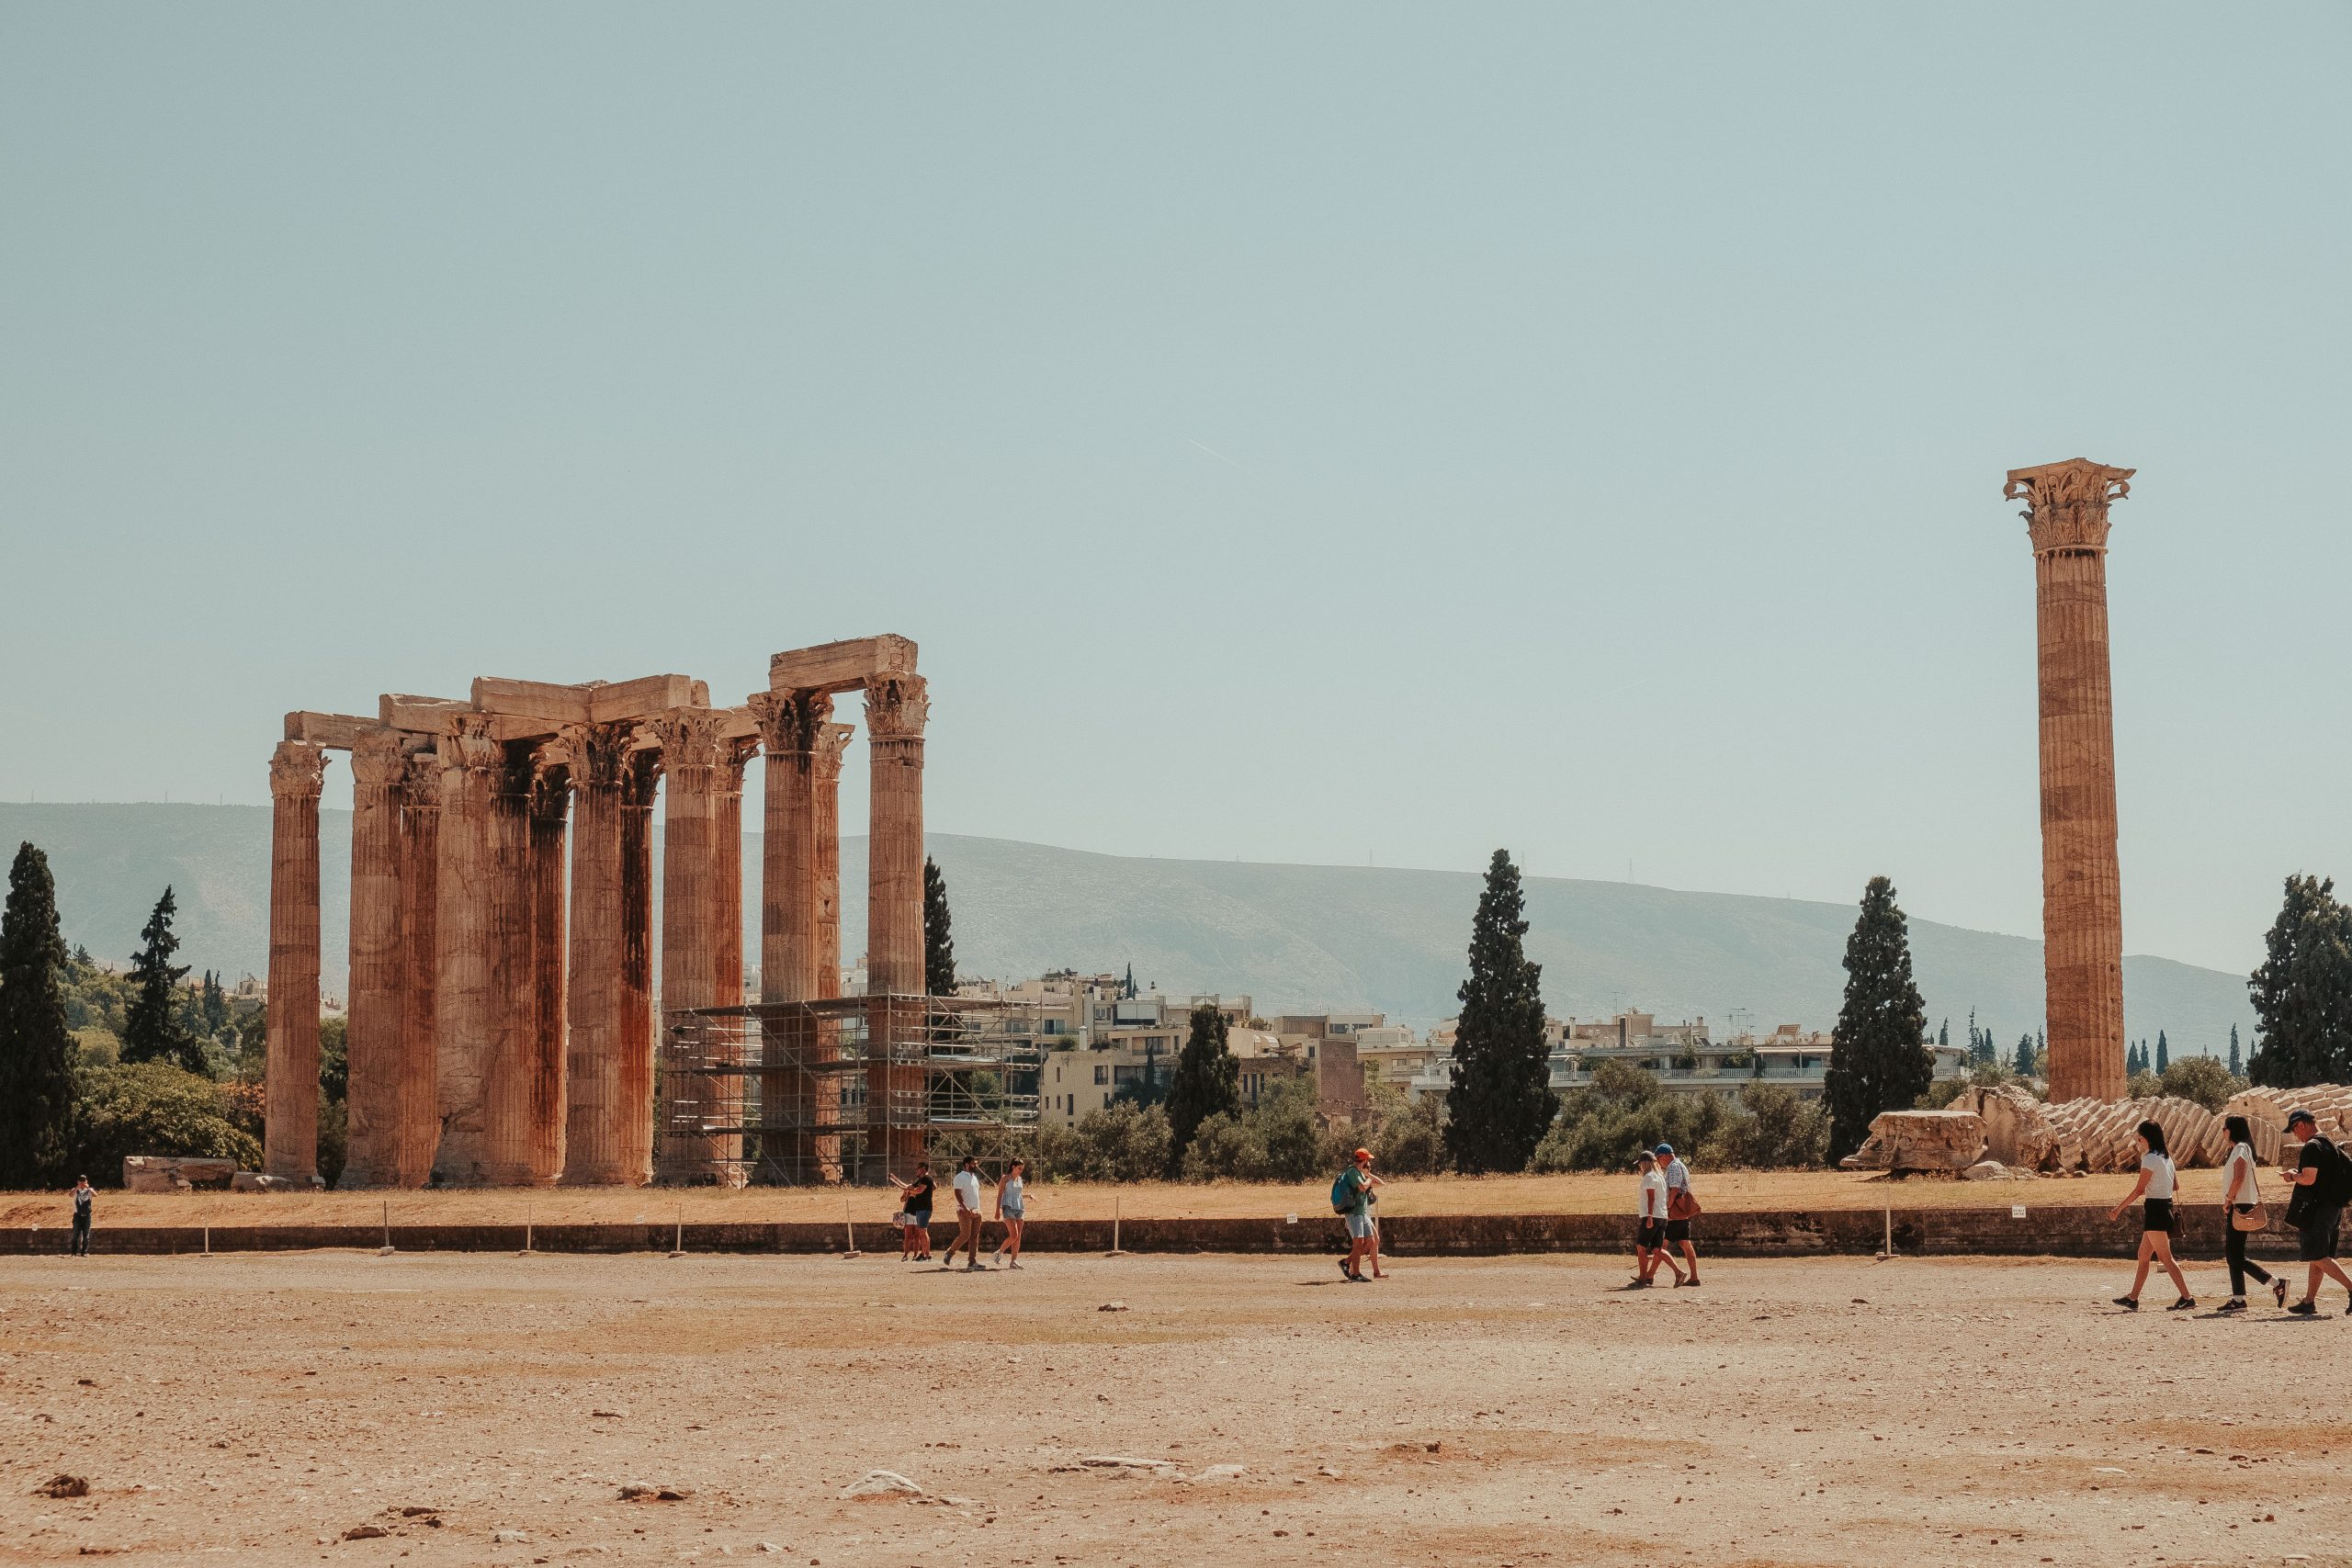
(254, 1409)
(1723, 1191)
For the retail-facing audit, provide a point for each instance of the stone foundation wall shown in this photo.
(2061, 1231)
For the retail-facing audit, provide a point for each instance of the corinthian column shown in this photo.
(690, 919)
(508, 1152)
(789, 722)
(548, 806)
(291, 1134)
(832, 740)
(377, 971)
(735, 754)
(633, 1112)
(418, 1106)
(2082, 896)
(897, 707)
(592, 1128)
(464, 1002)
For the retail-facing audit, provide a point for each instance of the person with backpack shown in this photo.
(2242, 1215)
(85, 1197)
(2323, 1185)
(1352, 1200)
(2158, 1221)
(1681, 1208)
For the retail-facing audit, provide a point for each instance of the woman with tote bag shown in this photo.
(2243, 1214)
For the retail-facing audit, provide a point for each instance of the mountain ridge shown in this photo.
(1296, 938)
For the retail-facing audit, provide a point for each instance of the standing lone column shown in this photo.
(465, 1004)
(690, 919)
(896, 708)
(592, 1156)
(379, 973)
(2082, 898)
(291, 1134)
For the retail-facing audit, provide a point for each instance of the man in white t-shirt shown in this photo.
(1678, 1231)
(967, 1216)
(1649, 1235)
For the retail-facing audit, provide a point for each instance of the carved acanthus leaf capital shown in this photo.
(789, 721)
(599, 752)
(640, 777)
(378, 761)
(469, 745)
(550, 790)
(689, 736)
(832, 740)
(896, 706)
(2066, 502)
(296, 769)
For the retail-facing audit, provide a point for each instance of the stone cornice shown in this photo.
(2066, 502)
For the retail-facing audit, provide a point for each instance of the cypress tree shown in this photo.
(36, 1049)
(1876, 1062)
(1501, 1102)
(152, 1030)
(2302, 992)
(2027, 1057)
(938, 933)
(2237, 1062)
(1208, 1081)
(1943, 1035)
(216, 1003)
(2163, 1052)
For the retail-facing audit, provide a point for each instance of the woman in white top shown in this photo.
(2157, 1223)
(1012, 1208)
(2239, 1196)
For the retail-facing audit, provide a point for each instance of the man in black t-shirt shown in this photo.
(915, 1203)
(2318, 1208)
(84, 1196)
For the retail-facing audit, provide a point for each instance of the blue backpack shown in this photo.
(1343, 1193)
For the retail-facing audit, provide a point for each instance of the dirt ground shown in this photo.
(489, 1408)
(1722, 1191)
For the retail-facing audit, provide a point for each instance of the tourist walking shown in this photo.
(914, 1215)
(2242, 1215)
(1012, 1207)
(2323, 1181)
(967, 1216)
(1352, 1200)
(1681, 1208)
(1649, 1225)
(84, 1196)
(2158, 1221)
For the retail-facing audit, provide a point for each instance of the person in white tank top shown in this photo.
(2156, 1225)
(1012, 1208)
(2240, 1194)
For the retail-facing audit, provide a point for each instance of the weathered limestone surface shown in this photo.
(2016, 1128)
(507, 1147)
(466, 1004)
(549, 813)
(417, 1113)
(168, 1173)
(2267, 1110)
(2082, 901)
(690, 917)
(378, 970)
(1920, 1139)
(790, 964)
(291, 1134)
(640, 780)
(897, 709)
(593, 1137)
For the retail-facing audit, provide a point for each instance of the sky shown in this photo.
(1332, 434)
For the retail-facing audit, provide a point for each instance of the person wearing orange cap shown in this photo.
(1355, 1184)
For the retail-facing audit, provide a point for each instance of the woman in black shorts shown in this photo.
(2157, 1225)
(914, 1209)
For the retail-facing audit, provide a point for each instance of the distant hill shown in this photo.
(1295, 937)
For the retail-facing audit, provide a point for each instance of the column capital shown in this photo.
(421, 780)
(2066, 502)
(377, 760)
(640, 775)
(896, 706)
(298, 770)
(789, 721)
(689, 736)
(469, 745)
(550, 787)
(832, 740)
(597, 753)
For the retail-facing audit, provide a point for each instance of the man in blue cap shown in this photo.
(1680, 1207)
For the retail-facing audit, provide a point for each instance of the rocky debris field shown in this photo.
(350, 1409)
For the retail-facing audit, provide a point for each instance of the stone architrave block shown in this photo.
(1920, 1139)
(169, 1173)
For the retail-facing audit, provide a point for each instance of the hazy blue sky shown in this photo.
(1296, 432)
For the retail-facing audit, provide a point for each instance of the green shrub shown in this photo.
(152, 1107)
(2203, 1079)
(1278, 1141)
(1606, 1123)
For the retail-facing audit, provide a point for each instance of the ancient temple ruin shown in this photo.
(504, 944)
(2082, 896)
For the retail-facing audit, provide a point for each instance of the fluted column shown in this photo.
(897, 707)
(727, 848)
(379, 973)
(633, 1112)
(466, 1008)
(508, 1155)
(2082, 898)
(549, 808)
(591, 1087)
(789, 722)
(690, 914)
(290, 1133)
(417, 1112)
(832, 740)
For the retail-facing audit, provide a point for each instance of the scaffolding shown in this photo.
(844, 1089)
